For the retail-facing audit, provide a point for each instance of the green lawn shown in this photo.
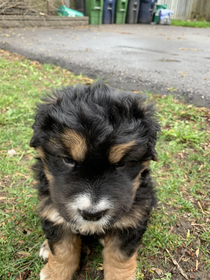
(199, 24)
(180, 226)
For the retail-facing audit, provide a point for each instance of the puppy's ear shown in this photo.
(43, 120)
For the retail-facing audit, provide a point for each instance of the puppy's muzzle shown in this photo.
(92, 216)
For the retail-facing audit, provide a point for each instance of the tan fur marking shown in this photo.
(116, 265)
(76, 143)
(118, 151)
(48, 174)
(131, 219)
(136, 182)
(40, 153)
(65, 260)
(50, 213)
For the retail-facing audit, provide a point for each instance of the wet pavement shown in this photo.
(159, 59)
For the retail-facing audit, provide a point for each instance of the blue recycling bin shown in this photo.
(108, 12)
(146, 11)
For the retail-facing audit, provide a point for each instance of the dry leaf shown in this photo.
(158, 271)
(100, 267)
(23, 254)
(196, 266)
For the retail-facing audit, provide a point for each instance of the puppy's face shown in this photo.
(94, 145)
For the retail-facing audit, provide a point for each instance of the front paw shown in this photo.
(56, 271)
(43, 276)
(44, 250)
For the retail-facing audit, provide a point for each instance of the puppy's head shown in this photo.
(94, 143)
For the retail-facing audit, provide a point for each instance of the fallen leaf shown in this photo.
(196, 266)
(172, 89)
(100, 267)
(21, 242)
(23, 254)
(158, 271)
(183, 74)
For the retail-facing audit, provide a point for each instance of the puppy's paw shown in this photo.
(42, 276)
(101, 241)
(48, 274)
(44, 252)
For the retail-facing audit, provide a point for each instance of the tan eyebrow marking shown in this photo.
(118, 151)
(76, 143)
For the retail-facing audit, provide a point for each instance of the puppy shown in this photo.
(94, 148)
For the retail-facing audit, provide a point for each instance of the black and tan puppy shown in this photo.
(95, 145)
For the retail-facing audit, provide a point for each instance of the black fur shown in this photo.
(52, 232)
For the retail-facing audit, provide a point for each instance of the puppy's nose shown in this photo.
(92, 216)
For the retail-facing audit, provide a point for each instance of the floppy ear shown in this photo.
(43, 121)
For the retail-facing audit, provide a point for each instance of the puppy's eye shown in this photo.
(69, 161)
(120, 164)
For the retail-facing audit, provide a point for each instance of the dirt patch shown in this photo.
(207, 118)
(11, 56)
(5, 183)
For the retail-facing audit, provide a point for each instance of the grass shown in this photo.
(198, 24)
(181, 224)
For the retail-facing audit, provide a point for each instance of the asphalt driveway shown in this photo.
(159, 59)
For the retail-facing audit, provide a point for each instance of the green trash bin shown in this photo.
(94, 9)
(158, 7)
(120, 11)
